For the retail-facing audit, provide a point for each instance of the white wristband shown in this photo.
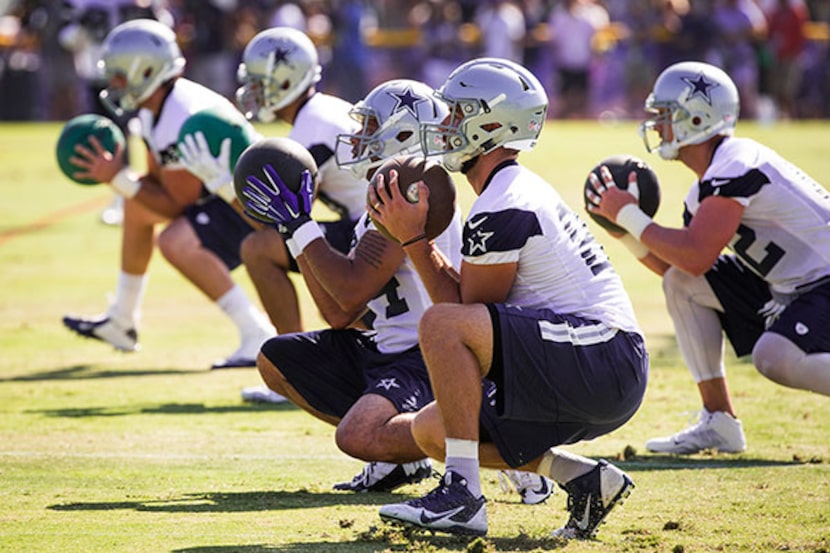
(305, 235)
(293, 248)
(633, 219)
(634, 246)
(126, 183)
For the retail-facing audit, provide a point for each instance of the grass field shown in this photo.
(152, 452)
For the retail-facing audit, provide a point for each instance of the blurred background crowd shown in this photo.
(596, 58)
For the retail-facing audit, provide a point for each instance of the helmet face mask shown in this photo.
(493, 103)
(278, 65)
(389, 120)
(138, 57)
(691, 102)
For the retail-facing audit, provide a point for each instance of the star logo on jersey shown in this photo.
(478, 241)
(700, 87)
(407, 100)
(387, 384)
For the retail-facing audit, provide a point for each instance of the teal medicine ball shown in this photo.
(77, 131)
(217, 124)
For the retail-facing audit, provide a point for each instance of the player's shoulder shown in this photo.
(736, 156)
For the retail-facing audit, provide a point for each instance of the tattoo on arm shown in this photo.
(371, 249)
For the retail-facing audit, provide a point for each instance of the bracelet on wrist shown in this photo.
(411, 241)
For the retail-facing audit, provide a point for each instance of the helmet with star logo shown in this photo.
(278, 65)
(389, 117)
(696, 101)
(492, 103)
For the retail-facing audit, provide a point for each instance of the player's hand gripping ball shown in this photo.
(77, 131)
(441, 190)
(647, 191)
(217, 124)
(269, 175)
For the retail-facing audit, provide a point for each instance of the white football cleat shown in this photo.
(533, 488)
(104, 328)
(262, 394)
(718, 430)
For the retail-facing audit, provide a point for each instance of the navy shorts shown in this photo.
(557, 379)
(220, 228)
(332, 369)
(742, 293)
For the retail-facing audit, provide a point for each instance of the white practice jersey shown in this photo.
(399, 306)
(316, 127)
(784, 235)
(161, 134)
(520, 218)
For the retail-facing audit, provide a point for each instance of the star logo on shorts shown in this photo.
(801, 329)
(387, 383)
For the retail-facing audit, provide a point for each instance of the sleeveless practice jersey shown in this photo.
(161, 134)
(399, 306)
(316, 126)
(784, 235)
(519, 218)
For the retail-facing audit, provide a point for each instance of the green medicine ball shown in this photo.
(218, 124)
(77, 131)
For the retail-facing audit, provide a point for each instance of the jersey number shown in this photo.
(763, 266)
(395, 305)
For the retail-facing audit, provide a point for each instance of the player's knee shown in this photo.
(774, 356)
(437, 323)
(170, 244)
(249, 249)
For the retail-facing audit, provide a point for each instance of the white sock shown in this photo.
(462, 459)
(247, 318)
(561, 466)
(129, 295)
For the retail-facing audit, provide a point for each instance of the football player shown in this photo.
(390, 118)
(278, 76)
(535, 344)
(771, 294)
(143, 66)
(369, 384)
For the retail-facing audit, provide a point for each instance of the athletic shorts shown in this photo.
(220, 228)
(332, 369)
(742, 293)
(557, 379)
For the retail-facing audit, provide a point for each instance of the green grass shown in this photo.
(151, 452)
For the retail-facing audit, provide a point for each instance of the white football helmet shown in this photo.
(696, 100)
(390, 117)
(277, 66)
(492, 103)
(142, 53)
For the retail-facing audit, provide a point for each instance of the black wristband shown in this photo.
(413, 240)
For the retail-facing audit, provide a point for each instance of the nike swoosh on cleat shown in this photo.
(542, 489)
(426, 519)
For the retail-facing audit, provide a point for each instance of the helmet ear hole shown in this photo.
(697, 120)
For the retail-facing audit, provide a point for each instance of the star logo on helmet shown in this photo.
(408, 100)
(281, 54)
(700, 87)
